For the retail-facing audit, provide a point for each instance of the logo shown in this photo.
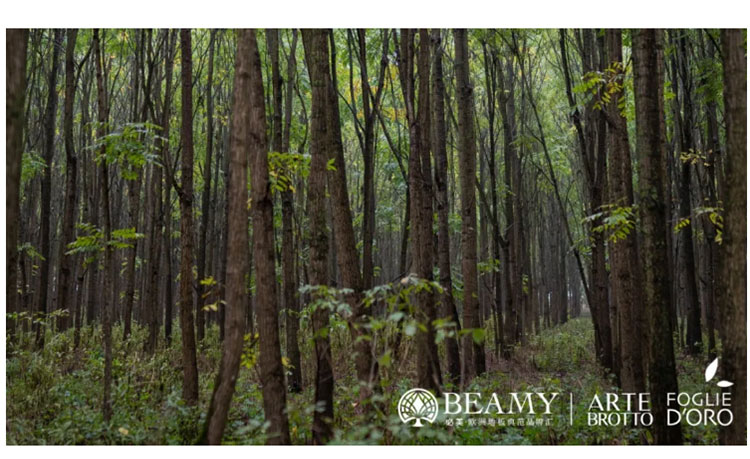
(417, 405)
(711, 372)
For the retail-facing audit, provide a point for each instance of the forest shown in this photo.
(270, 236)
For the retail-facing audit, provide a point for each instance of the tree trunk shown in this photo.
(65, 276)
(733, 294)
(473, 349)
(420, 186)
(291, 302)
(625, 276)
(16, 43)
(347, 258)
(46, 197)
(647, 83)
(448, 311)
(200, 315)
(107, 309)
(185, 193)
(237, 263)
(316, 53)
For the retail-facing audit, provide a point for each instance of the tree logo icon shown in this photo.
(417, 405)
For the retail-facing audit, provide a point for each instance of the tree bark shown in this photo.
(200, 315)
(648, 83)
(16, 43)
(624, 262)
(107, 296)
(448, 311)
(347, 258)
(271, 369)
(420, 186)
(185, 193)
(733, 294)
(237, 263)
(316, 54)
(50, 112)
(71, 172)
(291, 302)
(473, 350)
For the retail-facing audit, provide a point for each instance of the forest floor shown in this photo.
(54, 396)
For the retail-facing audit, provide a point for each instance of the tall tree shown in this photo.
(291, 302)
(200, 315)
(316, 54)
(448, 305)
(473, 349)
(134, 185)
(107, 308)
(733, 295)
(50, 112)
(71, 173)
(185, 193)
(347, 257)
(237, 263)
(370, 109)
(685, 145)
(648, 86)
(16, 43)
(271, 368)
(591, 133)
(625, 278)
(420, 186)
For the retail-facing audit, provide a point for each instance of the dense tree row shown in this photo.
(464, 189)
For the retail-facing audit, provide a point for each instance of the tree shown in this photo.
(648, 84)
(107, 307)
(473, 349)
(591, 135)
(688, 293)
(316, 54)
(237, 263)
(185, 193)
(448, 311)
(625, 279)
(420, 186)
(46, 199)
(733, 294)
(346, 254)
(271, 368)
(71, 168)
(16, 42)
(206, 198)
(291, 302)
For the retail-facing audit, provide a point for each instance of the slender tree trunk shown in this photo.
(473, 349)
(647, 82)
(271, 369)
(134, 193)
(200, 315)
(316, 53)
(16, 43)
(693, 338)
(108, 300)
(291, 302)
(65, 276)
(237, 263)
(441, 183)
(346, 255)
(420, 186)
(625, 275)
(46, 197)
(185, 193)
(733, 294)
